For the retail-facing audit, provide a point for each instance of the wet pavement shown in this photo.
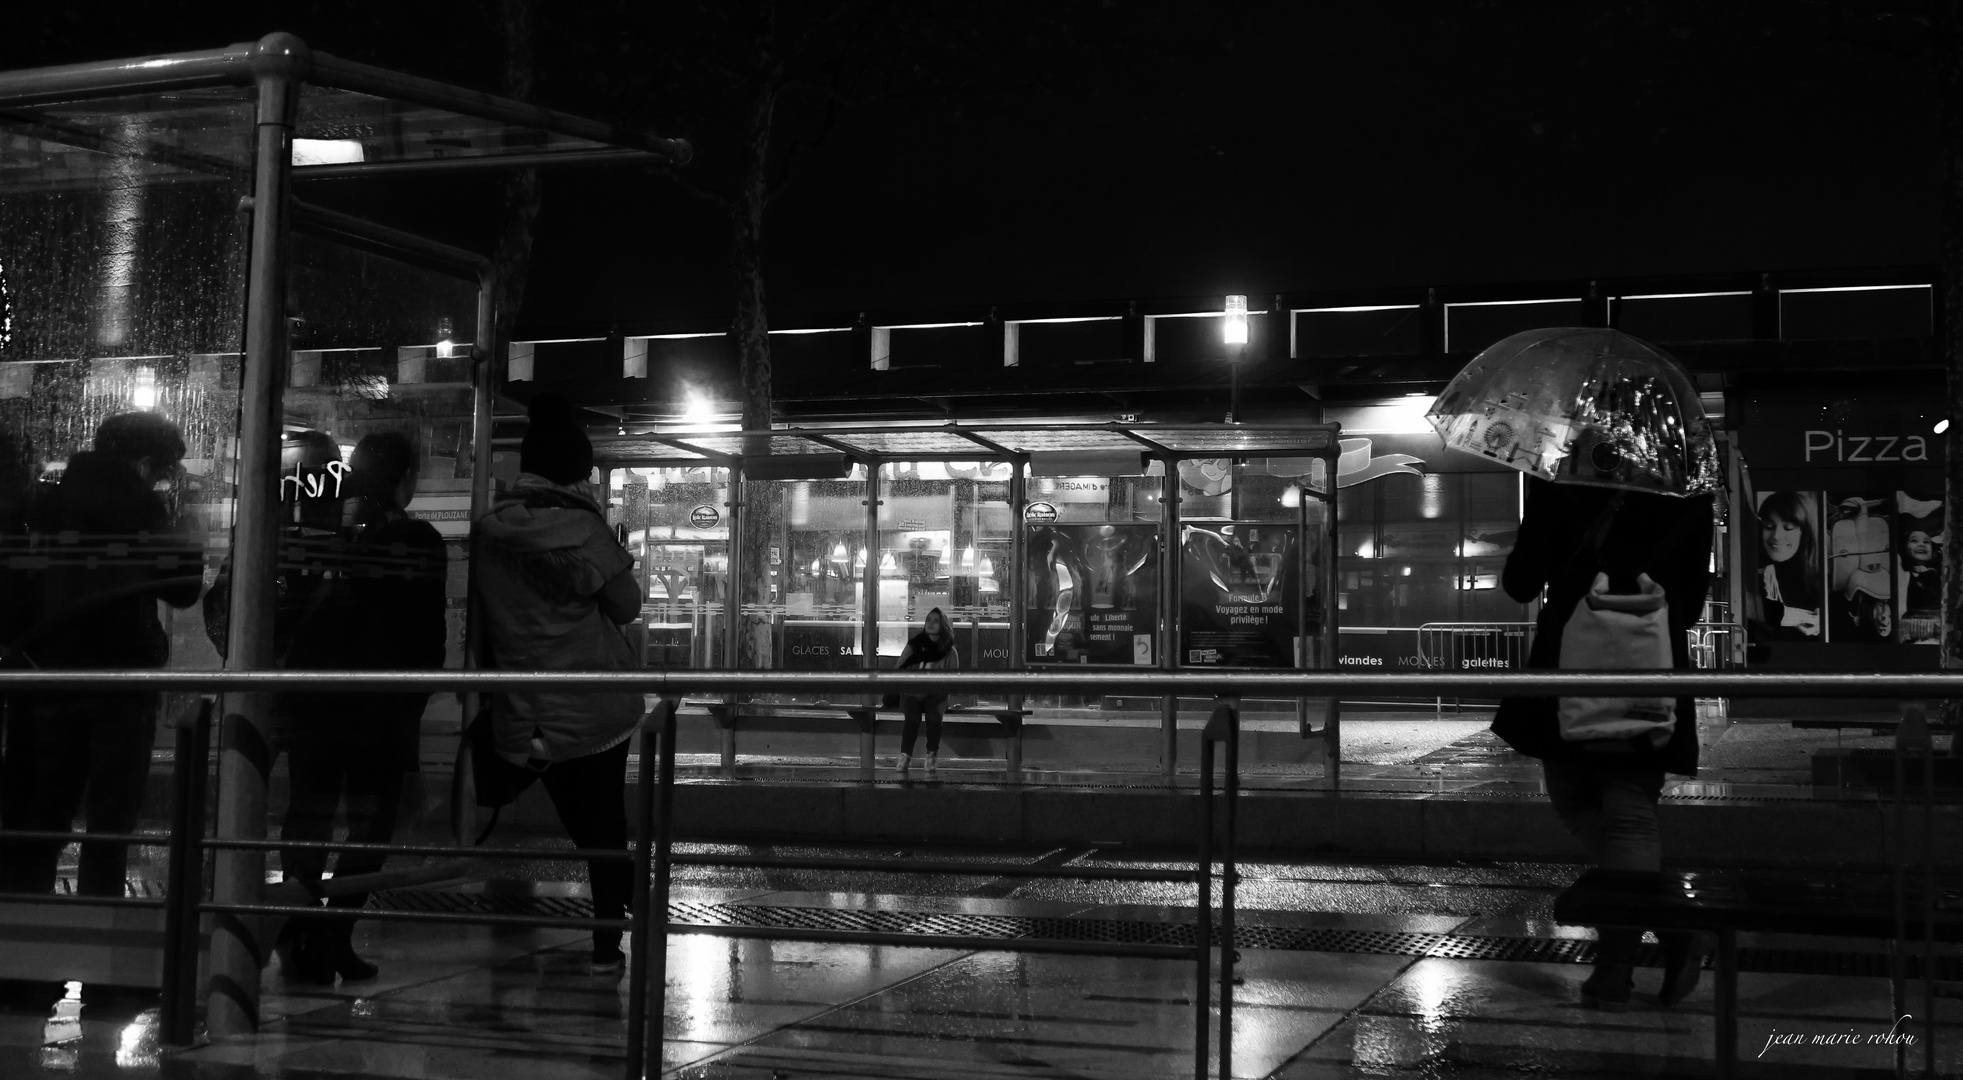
(1377, 969)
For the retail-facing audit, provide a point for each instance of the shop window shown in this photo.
(678, 530)
(1068, 343)
(1473, 326)
(1690, 317)
(1417, 550)
(1359, 331)
(1889, 312)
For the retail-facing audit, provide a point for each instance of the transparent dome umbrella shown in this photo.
(1583, 405)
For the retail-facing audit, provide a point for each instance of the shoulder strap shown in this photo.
(1593, 536)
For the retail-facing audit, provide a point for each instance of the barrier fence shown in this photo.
(653, 859)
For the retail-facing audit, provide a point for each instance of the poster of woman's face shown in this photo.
(1860, 567)
(1790, 560)
(1919, 567)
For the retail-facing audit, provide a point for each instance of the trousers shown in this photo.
(363, 750)
(1610, 808)
(912, 711)
(590, 795)
(69, 753)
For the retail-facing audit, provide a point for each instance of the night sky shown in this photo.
(1206, 149)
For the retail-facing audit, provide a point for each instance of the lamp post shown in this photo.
(1233, 333)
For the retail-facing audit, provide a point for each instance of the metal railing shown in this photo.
(1472, 646)
(653, 859)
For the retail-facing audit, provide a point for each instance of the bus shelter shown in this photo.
(157, 256)
(1118, 546)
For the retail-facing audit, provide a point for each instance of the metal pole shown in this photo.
(869, 577)
(1227, 875)
(732, 601)
(280, 63)
(637, 934)
(1018, 592)
(1203, 918)
(1168, 614)
(664, 820)
(1332, 722)
(194, 927)
(183, 882)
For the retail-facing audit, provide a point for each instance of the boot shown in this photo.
(1609, 987)
(906, 762)
(336, 944)
(301, 956)
(933, 760)
(1683, 964)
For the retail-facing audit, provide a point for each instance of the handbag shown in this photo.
(1610, 631)
(1618, 632)
(497, 783)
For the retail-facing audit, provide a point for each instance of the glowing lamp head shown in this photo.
(143, 388)
(444, 346)
(1233, 329)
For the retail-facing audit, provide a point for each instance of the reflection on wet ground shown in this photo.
(467, 1002)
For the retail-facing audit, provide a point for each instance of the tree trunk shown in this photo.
(522, 189)
(752, 329)
(752, 333)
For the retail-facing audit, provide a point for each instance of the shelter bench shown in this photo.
(771, 716)
(1725, 903)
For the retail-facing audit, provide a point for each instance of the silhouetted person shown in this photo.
(553, 588)
(932, 649)
(1605, 791)
(372, 599)
(113, 552)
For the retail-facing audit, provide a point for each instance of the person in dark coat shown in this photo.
(374, 600)
(113, 550)
(1606, 791)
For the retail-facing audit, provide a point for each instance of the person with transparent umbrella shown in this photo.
(1615, 540)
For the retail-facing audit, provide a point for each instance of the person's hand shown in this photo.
(1808, 622)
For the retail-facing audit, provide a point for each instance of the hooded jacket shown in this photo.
(108, 552)
(539, 560)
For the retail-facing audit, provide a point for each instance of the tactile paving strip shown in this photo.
(685, 913)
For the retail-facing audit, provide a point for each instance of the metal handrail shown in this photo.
(653, 859)
(1239, 683)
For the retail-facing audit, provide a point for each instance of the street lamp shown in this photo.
(1233, 333)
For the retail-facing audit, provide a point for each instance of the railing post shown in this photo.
(1203, 920)
(637, 934)
(1228, 875)
(184, 880)
(280, 64)
(657, 905)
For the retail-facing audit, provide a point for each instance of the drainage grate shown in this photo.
(685, 913)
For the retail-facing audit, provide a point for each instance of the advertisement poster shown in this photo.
(1789, 565)
(1239, 595)
(1860, 567)
(1093, 594)
(1919, 567)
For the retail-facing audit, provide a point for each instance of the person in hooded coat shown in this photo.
(378, 606)
(553, 589)
(932, 649)
(1606, 792)
(114, 550)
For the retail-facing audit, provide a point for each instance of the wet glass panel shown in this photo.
(945, 542)
(120, 315)
(678, 530)
(809, 543)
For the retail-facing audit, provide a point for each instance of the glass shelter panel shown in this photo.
(123, 299)
(946, 542)
(375, 474)
(121, 288)
(677, 526)
(813, 554)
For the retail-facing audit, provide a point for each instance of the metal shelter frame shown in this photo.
(828, 450)
(291, 92)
